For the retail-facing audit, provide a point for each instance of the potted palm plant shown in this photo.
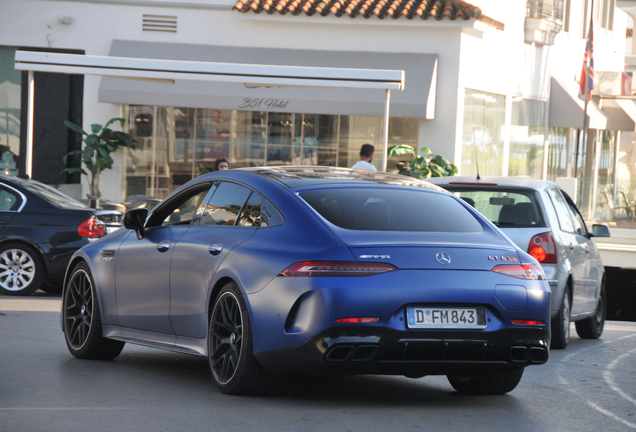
(95, 153)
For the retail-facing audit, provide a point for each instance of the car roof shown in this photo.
(289, 176)
(515, 181)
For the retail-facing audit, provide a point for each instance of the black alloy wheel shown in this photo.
(226, 337)
(234, 368)
(78, 309)
(82, 319)
(493, 383)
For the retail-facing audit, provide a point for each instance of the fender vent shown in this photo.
(160, 23)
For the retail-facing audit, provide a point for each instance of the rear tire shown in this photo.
(592, 327)
(561, 323)
(234, 368)
(486, 384)
(22, 269)
(82, 319)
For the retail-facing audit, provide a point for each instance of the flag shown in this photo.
(626, 83)
(587, 67)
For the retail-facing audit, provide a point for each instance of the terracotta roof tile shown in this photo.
(425, 9)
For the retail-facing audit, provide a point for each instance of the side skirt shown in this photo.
(168, 342)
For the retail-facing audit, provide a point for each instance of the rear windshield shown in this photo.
(381, 209)
(53, 195)
(511, 208)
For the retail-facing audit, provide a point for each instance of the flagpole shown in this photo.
(588, 59)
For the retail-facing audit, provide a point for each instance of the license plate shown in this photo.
(429, 317)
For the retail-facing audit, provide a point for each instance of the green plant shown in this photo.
(98, 145)
(426, 166)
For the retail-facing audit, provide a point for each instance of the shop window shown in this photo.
(482, 137)
(527, 135)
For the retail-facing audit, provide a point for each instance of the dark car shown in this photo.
(279, 270)
(40, 229)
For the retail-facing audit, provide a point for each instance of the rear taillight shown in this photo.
(336, 268)
(91, 228)
(527, 322)
(543, 248)
(521, 271)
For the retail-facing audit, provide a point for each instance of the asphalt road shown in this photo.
(590, 386)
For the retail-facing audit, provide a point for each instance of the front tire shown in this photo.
(82, 319)
(561, 323)
(234, 368)
(21, 270)
(592, 327)
(486, 384)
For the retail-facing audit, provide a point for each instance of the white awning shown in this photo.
(566, 109)
(420, 78)
(622, 113)
(167, 71)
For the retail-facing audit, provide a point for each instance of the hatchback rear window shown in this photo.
(380, 209)
(506, 208)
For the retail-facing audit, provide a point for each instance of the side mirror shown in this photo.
(599, 230)
(135, 219)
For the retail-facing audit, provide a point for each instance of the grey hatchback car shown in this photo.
(540, 218)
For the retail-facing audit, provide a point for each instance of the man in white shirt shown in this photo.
(366, 156)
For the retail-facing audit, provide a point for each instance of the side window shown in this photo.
(562, 210)
(225, 205)
(579, 223)
(269, 215)
(9, 200)
(180, 210)
(251, 214)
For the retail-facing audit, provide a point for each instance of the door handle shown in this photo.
(571, 247)
(163, 246)
(215, 249)
(587, 249)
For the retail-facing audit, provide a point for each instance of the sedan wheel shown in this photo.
(561, 323)
(82, 319)
(592, 327)
(487, 384)
(21, 270)
(234, 368)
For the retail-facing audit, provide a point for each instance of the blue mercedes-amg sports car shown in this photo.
(284, 270)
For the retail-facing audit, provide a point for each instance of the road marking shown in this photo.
(609, 414)
(607, 375)
(64, 408)
(30, 305)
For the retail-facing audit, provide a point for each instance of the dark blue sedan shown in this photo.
(285, 270)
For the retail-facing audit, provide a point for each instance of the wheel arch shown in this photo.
(215, 292)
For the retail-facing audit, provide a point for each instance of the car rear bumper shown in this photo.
(382, 350)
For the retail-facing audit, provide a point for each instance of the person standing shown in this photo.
(366, 156)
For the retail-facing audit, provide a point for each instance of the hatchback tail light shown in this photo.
(336, 268)
(91, 228)
(521, 271)
(543, 248)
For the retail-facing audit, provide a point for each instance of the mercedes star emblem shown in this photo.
(443, 258)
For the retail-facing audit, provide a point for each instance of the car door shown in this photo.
(574, 246)
(219, 226)
(11, 201)
(143, 264)
(590, 255)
